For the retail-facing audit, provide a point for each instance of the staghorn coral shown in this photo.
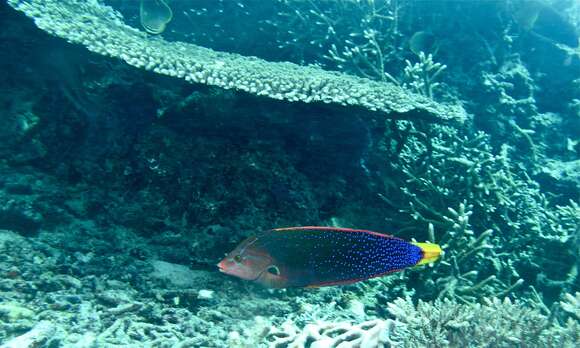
(420, 77)
(361, 38)
(501, 211)
(442, 323)
(456, 276)
(358, 37)
(103, 31)
(369, 334)
(571, 304)
(494, 323)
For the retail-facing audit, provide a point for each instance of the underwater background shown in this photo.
(140, 141)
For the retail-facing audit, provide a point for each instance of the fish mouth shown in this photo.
(221, 267)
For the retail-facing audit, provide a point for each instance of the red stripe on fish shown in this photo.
(336, 229)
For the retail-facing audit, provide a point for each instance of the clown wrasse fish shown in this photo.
(322, 256)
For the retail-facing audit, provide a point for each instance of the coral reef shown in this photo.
(571, 304)
(123, 181)
(358, 37)
(420, 77)
(495, 199)
(101, 30)
(495, 323)
(375, 333)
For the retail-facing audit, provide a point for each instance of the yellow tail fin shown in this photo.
(431, 252)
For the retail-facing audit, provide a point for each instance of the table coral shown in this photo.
(103, 31)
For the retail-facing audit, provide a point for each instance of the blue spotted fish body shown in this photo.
(322, 256)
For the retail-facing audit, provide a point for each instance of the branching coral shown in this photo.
(494, 323)
(359, 37)
(362, 38)
(455, 276)
(429, 324)
(501, 212)
(370, 334)
(443, 323)
(571, 304)
(421, 76)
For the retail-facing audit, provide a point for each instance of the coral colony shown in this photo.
(289, 173)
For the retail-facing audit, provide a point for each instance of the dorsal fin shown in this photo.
(332, 229)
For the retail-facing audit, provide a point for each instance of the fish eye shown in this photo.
(273, 270)
(238, 258)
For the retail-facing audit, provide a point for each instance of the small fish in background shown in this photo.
(423, 41)
(155, 15)
(322, 256)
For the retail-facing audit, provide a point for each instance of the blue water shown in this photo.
(125, 177)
